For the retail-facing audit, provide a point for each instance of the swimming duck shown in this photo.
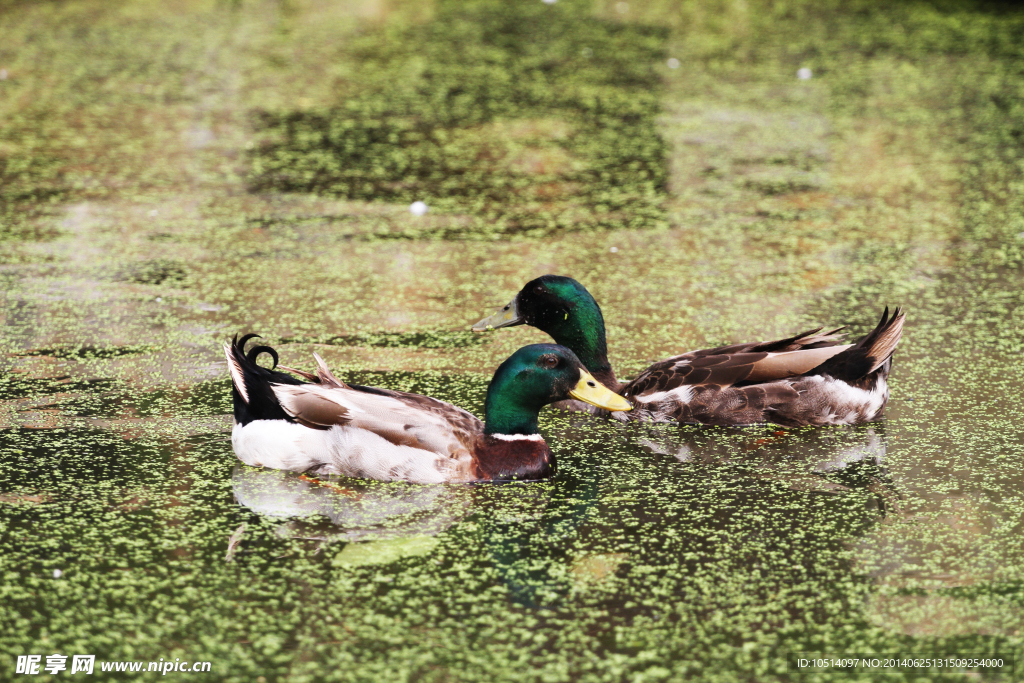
(808, 379)
(331, 427)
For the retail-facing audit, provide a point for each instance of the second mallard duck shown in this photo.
(328, 426)
(808, 379)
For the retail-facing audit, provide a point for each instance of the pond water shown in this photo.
(163, 187)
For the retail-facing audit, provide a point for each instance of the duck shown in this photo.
(319, 424)
(809, 379)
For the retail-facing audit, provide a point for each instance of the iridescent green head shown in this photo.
(535, 376)
(564, 309)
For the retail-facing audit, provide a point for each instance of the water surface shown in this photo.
(141, 228)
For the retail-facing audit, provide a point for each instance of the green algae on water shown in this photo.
(137, 237)
(520, 118)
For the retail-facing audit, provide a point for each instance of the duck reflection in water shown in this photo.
(335, 508)
(821, 459)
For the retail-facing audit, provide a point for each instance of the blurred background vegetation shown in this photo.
(173, 172)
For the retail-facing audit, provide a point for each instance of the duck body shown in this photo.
(809, 379)
(327, 426)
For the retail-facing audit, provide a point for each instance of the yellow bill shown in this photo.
(505, 317)
(593, 392)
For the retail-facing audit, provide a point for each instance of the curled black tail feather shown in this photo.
(255, 351)
(252, 392)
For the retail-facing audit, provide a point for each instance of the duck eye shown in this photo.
(539, 289)
(549, 361)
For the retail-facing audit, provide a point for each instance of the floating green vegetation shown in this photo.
(425, 339)
(519, 118)
(893, 175)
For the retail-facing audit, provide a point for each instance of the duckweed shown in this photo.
(517, 117)
(153, 204)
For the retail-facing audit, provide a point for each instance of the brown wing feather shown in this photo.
(777, 366)
(401, 418)
(724, 369)
(301, 373)
(464, 426)
(718, 370)
(325, 375)
(311, 408)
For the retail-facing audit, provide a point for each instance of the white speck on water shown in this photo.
(1020, 235)
(57, 573)
(804, 74)
(418, 208)
(153, 212)
(614, 250)
(198, 137)
(622, 7)
(587, 52)
(3, 74)
(550, 2)
(673, 63)
(159, 299)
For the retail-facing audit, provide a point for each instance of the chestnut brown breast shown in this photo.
(507, 459)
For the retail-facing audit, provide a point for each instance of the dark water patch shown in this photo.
(426, 339)
(522, 118)
(159, 271)
(17, 227)
(792, 214)
(778, 182)
(87, 352)
(63, 458)
(201, 399)
(16, 386)
(112, 399)
(1013, 590)
(164, 237)
(294, 219)
(28, 180)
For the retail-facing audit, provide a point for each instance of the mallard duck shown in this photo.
(331, 427)
(807, 379)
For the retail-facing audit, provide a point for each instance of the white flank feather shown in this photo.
(344, 450)
(845, 404)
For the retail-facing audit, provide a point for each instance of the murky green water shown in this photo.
(144, 148)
